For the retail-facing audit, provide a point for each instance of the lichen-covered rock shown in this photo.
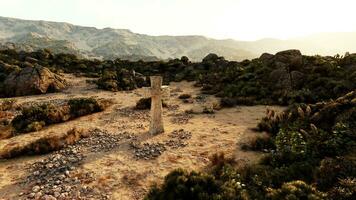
(31, 81)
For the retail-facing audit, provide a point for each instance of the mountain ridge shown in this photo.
(110, 43)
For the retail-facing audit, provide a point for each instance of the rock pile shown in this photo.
(102, 141)
(181, 118)
(148, 151)
(134, 113)
(55, 177)
(178, 138)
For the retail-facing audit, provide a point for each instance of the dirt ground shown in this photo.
(117, 172)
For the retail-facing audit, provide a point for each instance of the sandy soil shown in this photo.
(118, 171)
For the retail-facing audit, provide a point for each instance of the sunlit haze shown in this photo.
(236, 19)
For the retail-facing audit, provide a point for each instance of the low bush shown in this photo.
(84, 106)
(7, 104)
(43, 145)
(295, 190)
(36, 117)
(262, 142)
(184, 96)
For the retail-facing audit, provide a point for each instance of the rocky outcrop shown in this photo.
(121, 79)
(31, 81)
(291, 58)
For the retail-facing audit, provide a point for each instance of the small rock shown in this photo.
(38, 195)
(49, 197)
(56, 194)
(36, 188)
(32, 195)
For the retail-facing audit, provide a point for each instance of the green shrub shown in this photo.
(333, 169)
(180, 184)
(291, 143)
(344, 190)
(83, 106)
(260, 143)
(295, 190)
(36, 117)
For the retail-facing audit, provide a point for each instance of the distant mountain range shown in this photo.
(111, 43)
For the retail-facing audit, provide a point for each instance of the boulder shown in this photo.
(210, 57)
(282, 79)
(292, 58)
(32, 80)
(266, 57)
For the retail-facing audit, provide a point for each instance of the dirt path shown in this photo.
(118, 172)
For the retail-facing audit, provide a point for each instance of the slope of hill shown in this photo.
(109, 43)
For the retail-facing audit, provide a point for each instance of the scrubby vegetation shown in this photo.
(284, 78)
(34, 118)
(309, 149)
(311, 156)
(43, 145)
(7, 104)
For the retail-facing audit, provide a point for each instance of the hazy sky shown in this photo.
(237, 19)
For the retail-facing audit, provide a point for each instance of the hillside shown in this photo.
(109, 43)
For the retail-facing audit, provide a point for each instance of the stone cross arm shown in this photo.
(165, 92)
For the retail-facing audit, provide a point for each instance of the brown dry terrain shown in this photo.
(123, 167)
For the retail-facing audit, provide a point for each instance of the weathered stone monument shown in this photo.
(157, 92)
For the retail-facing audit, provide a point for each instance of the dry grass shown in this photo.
(43, 145)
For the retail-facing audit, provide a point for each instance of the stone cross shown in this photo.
(157, 92)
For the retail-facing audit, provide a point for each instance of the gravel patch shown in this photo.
(148, 151)
(181, 118)
(178, 139)
(102, 141)
(56, 177)
(134, 113)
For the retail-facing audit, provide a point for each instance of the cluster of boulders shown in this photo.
(29, 80)
(119, 79)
